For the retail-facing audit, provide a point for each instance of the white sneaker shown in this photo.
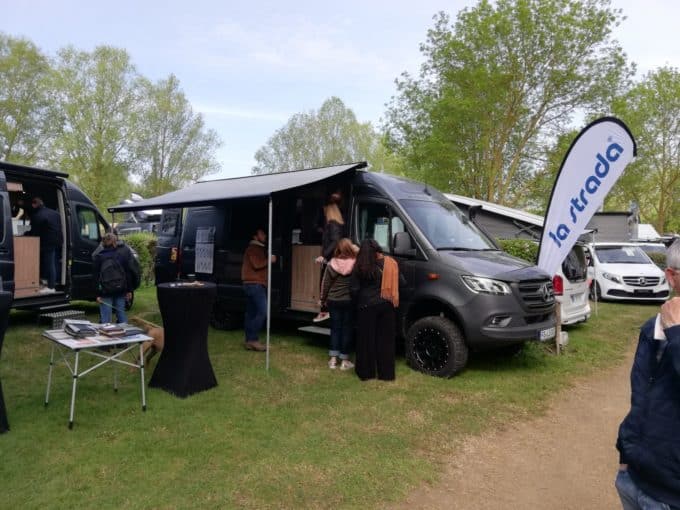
(346, 365)
(333, 363)
(46, 290)
(322, 316)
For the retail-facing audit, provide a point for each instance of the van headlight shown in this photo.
(486, 285)
(612, 277)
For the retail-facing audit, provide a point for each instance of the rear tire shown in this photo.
(435, 346)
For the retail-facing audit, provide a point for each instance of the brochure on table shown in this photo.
(62, 337)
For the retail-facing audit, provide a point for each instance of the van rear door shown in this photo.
(6, 238)
(166, 263)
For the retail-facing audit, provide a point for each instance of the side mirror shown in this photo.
(402, 245)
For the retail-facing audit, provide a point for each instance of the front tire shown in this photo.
(129, 302)
(595, 292)
(435, 346)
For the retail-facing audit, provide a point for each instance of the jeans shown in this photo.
(342, 325)
(112, 304)
(48, 266)
(632, 498)
(256, 310)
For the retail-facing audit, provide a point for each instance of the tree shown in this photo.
(497, 85)
(171, 146)
(651, 109)
(330, 136)
(25, 123)
(97, 98)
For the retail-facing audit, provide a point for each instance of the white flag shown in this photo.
(594, 162)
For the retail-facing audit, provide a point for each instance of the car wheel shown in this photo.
(224, 319)
(129, 301)
(595, 292)
(435, 346)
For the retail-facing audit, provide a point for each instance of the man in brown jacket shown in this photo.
(254, 277)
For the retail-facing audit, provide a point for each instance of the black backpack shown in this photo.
(112, 276)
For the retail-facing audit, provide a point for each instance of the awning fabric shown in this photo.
(206, 192)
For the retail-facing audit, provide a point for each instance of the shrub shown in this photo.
(144, 243)
(658, 258)
(521, 248)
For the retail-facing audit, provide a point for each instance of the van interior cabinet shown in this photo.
(26, 266)
(305, 278)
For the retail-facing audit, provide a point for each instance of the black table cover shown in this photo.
(184, 366)
(5, 304)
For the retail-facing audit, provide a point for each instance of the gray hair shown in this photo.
(673, 255)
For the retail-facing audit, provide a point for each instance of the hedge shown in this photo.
(144, 243)
(521, 248)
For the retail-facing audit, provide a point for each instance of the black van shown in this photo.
(462, 292)
(82, 229)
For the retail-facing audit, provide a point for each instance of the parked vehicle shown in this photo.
(623, 271)
(571, 286)
(138, 221)
(462, 292)
(82, 229)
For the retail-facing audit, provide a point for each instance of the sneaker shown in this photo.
(46, 290)
(333, 363)
(255, 346)
(346, 365)
(322, 316)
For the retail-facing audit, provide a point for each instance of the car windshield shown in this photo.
(621, 255)
(446, 227)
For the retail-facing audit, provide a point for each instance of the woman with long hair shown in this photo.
(375, 289)
(332, 233)
(335, 294)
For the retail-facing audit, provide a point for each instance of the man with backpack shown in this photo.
(116, 274)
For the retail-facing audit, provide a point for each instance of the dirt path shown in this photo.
(565, 459)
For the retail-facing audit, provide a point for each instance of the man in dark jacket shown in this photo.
(46, 224)
(111, 257)
(649, 437)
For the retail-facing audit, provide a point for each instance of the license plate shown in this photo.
(642, 292)
(546, 334)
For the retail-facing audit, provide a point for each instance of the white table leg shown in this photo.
(73, 391)
(141, 374)
(49, 377)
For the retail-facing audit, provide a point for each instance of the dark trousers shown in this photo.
(48, 265)
(376, 329)
(256, 310)
(342, 328)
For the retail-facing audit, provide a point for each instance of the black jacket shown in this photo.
(332, 233)
(649, 437)
(46, 224)
(366, 292)
(126, 258)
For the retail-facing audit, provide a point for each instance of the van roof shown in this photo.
(15, 167)
(207, 192)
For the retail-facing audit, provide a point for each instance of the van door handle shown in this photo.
(84, 252)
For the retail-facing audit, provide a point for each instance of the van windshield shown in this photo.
(621, 255)
(445, 226)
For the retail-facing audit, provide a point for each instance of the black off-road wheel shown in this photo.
(130, 301)
(224, 319)
(435, 346)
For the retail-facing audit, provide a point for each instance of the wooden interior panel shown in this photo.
(305, 276)
(26, 266)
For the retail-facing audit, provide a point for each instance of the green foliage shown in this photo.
(651, 109)
(171, 146)
(520, 248)
(144, 243)
(330, 136)
(292, 437)
(658, 258)
(496, 85)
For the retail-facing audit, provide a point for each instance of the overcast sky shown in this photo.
(249, 66)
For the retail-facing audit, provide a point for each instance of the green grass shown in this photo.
(299, 436)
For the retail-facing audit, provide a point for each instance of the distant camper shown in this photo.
(65, 227)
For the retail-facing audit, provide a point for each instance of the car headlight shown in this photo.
(614, 278)
(486, 285)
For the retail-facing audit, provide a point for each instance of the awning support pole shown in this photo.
(269, 279)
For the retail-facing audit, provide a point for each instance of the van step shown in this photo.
(318, 330)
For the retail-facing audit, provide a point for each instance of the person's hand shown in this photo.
(99, 299)
(273, 259)
(319, 260)
(670, 313)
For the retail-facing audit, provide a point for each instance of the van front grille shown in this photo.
(537, 294)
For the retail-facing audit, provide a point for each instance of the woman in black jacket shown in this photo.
(374, 287)
(333, 231)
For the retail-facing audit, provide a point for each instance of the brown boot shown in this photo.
(255, 345)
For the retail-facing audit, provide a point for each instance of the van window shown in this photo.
(91, 228)
(169, 222)
(575, 266)
(378, 221)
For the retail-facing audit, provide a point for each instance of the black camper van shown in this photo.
(82, 229)
(461, 291)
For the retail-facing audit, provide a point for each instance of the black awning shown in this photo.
(207, 192)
